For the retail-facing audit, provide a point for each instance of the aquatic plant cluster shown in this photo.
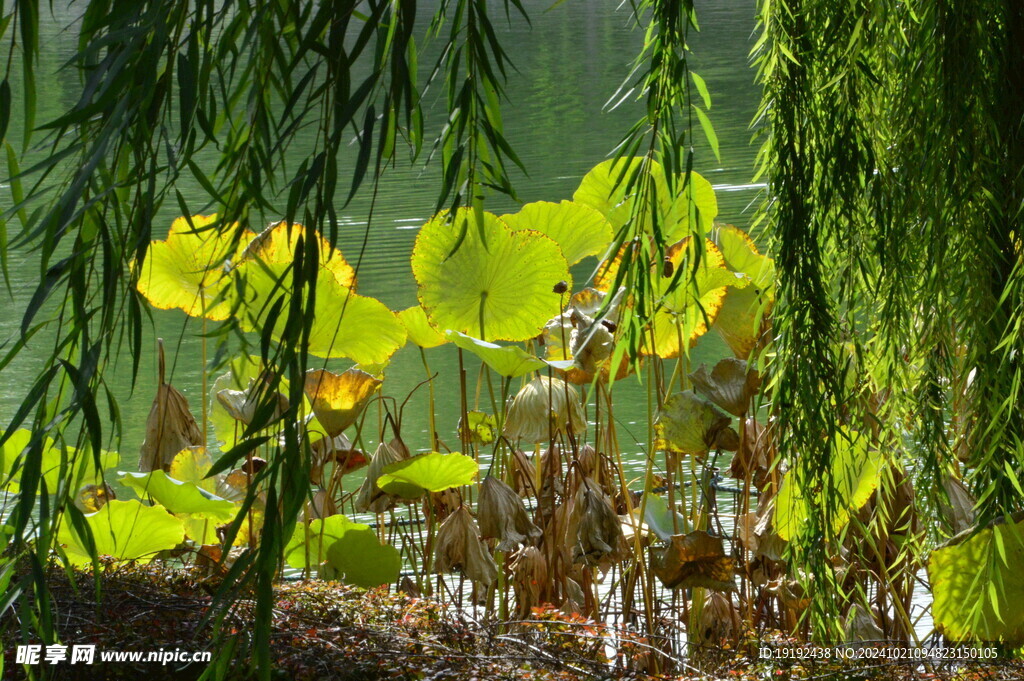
(536, 510)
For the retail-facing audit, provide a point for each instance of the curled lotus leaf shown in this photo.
(611, 188)
(339, 399)
(420, 331)
(344, 324)
(696, 559)
(497, 284)
(503, 516)
(689, 424)
(742, 316)
(579, 230)
(542, 409)
(308, 544)
(730, 384)
(188, 270)
(459, 547)
(432, 472)
(976, 581)
(246, 374)
(277, 243)
(371, 498)
(244, 405)
(124, 530)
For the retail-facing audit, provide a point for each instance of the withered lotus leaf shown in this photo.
(542, 409)
(730, 385)
(503, 516)
(689, 424)
(599, 535)
(459, 547)
(694, 560)
(170, 426)
(529, 578)
(339, 399)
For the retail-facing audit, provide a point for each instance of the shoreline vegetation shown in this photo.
(328, 630)
(865, 397)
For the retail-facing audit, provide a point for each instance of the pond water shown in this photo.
(570, 61)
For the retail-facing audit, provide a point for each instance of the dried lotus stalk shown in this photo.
(502, 515)
(459, 547)
(170, 426)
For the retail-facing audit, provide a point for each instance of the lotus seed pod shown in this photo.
(459, 547)
(502, 515)
(543, 409)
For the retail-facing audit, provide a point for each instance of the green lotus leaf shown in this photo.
(192, 465)
(433, 472)
(185, 498)
(362, 560)
(187, 270)
(578, 229)
(662, 522)
(277, 243)
(79, 464)
(610, 187)
(689, 424)
(856, 470)
(419, 329)
(497, 285)
(977, 584)
(124, 530)
(344, 324)
(321, 533)
(508, 360)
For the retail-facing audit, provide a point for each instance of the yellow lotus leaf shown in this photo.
(344, 324)
(339, 399)
(189, 269)
(276, 245)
